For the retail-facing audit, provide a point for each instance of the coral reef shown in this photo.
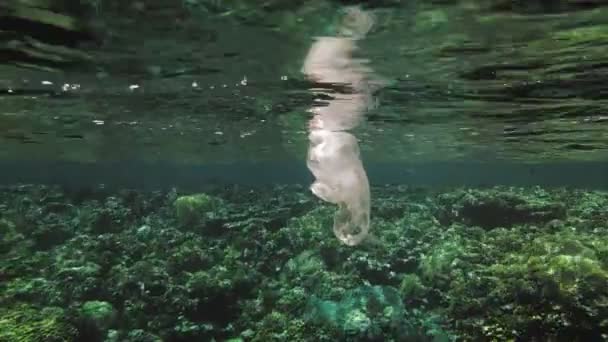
(271, 271)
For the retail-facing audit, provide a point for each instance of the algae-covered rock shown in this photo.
(98, 315)
(193, 209)
(500, 207)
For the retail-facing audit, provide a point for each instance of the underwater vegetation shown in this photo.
(262, 264)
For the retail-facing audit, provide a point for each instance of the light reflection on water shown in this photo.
(457, 89)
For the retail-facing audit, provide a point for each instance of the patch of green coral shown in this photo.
(24, 323)
(191, 209)
(566, 263)
(554, 282)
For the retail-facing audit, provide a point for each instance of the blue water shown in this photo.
(157, 176)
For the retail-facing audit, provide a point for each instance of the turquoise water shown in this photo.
(306, 171)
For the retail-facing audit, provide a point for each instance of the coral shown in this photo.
(98, 315)
(276, 274)
(192, 209)
(368, 312)
(24, 323)
(411, 286)
(549, 288)
(499, 207)
(442, 258)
